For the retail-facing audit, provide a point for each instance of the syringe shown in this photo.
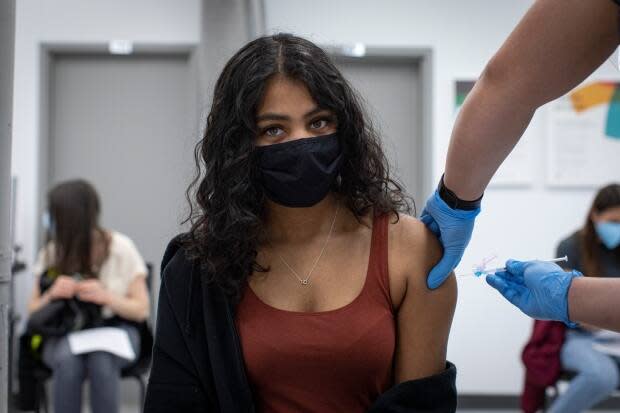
(479, 272)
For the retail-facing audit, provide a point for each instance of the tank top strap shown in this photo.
(378, 277)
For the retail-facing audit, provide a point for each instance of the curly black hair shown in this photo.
(226, 200)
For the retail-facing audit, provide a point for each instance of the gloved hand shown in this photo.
(539, 289)
(453, 227)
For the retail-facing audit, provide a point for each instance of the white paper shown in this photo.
(606, 335)
(611, 348)
(111, 339)
(607, 342)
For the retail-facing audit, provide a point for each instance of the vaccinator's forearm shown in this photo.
(595, 301)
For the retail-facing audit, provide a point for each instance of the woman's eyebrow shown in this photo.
(279, 116)
(272, 116)
(314, 112)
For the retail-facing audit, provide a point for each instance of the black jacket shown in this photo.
(197, 361)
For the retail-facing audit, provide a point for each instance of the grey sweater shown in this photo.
(609, 259)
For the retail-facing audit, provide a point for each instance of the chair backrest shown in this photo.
(149, 275)
(149, 286)
(143, 361)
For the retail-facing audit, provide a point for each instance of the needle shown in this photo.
(481, 272)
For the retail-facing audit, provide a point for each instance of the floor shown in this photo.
(129, 409)
(134, 409)
(598, 410)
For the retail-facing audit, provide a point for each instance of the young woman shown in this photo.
(93, 265)
(302, 283)
(593, 250)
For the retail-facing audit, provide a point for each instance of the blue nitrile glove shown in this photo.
(453, 227)
(539, 289)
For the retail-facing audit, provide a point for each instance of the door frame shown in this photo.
(48, 51)
(422, 59)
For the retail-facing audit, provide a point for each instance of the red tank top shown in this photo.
(338, 360)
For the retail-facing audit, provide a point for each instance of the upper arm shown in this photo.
(556, 45)
(138, 290)
(424, 316)
(133, 259)
(136, 269)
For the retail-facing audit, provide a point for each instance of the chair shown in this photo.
(565, 376)
(142, 364)
(135, 370)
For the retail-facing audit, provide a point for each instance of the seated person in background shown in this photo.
(593, 250)
(112, 275)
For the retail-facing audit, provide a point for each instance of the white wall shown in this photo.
(77, 22)
(488, 333)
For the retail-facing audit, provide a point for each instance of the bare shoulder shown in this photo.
(413, 252)
(424, 316)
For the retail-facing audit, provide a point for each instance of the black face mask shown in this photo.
(299, 173)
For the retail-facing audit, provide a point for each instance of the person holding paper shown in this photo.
(96, 266)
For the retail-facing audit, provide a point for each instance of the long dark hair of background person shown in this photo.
(74, 209)
(607, 197)
(226, 203)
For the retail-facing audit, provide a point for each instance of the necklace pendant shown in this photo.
(304, 282)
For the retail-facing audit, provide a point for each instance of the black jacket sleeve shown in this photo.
(174, 385)
(434, 394)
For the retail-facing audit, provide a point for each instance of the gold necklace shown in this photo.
(306, 281)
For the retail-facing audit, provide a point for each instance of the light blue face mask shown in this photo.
(609, 233)
(48, 224)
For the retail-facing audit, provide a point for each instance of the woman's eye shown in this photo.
(319, 123)
(273, 132)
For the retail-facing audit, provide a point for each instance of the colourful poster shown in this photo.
(583, 146)
(463, 87)
(596, 94)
